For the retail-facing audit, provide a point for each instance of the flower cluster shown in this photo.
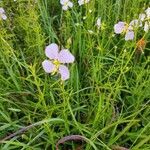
(145, 18)
(128, 29)
(56, 61)
(66, 4)
(2, 14)
(123, 27)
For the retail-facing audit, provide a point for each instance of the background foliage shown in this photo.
(107, 97)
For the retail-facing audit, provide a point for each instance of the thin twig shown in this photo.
(119, 148)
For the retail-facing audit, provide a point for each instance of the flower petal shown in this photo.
(64, 72)
(80, 2)
(2, 10)
(146, 26)
(70, 4)
(51, 51)
(48, 66)
(65, 56)
(135, 23)
(4, 17)
(65, 7)
(119, 27)
(147, 11)
(98, 22)
(63, 2)
(142, 17)
(129, 35)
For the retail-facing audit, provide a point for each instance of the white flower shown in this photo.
(2, 14)
(98, 22)
(81, 2)
(146, 26)
(142, 17)
(135, 23)
(145, 18)
(147, 11)
(66, 4)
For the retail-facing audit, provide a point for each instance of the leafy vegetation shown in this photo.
(106, 100)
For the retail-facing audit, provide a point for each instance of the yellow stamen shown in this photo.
(66, 4)
(57, 64)
(126, 28)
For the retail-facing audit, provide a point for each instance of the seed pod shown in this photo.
(140, 45)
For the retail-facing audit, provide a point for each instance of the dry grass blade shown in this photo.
(119, 148)
(69, 138)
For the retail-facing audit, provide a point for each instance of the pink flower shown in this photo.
(129, 35)
(119, 27)
(123, 27)
(56, 61)
(135, 23)
(66, 4)
(2, 14)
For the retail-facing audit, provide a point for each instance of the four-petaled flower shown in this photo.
(66, 4)
(82, 2)
(2, 14)
(123, 27)
(56, 61)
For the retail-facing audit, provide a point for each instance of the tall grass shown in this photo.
(107, 97)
